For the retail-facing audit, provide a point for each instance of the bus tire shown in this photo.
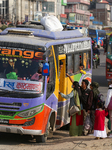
(41, 138)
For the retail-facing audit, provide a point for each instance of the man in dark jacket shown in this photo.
(86, 99)
(87, 96)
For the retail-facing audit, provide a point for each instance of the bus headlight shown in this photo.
(31, 112)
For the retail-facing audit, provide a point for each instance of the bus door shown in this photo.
(62, 85)
(62, 74)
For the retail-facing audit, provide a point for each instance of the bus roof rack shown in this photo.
(23, 32)
(48, 34)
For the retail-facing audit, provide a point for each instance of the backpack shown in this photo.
(100, 98)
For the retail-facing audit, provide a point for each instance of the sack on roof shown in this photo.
(51, 23)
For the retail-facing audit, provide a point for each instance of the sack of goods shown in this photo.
(51, 23)
(87, 123)
(73, 110)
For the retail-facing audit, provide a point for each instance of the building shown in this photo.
(52, 7)
(4, 9)
(77, 12)
(102, 12)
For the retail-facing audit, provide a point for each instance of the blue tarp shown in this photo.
(47, 34)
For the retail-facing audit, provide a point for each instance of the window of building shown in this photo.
(48, 6)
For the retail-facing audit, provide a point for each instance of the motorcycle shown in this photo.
(95, 61)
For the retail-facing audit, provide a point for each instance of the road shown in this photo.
(61, 140)
(99, 74)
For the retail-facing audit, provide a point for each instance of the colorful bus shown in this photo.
(108, 30)
(31, 78)
(109, 61)
(98, 35)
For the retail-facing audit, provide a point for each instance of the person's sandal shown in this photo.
(97, 138)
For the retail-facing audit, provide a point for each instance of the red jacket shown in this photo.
(100, 119)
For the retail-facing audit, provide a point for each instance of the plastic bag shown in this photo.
(51, 23)
(87, 123)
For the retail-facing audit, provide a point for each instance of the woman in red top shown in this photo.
(99, 125)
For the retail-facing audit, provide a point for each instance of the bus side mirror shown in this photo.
(45, 69)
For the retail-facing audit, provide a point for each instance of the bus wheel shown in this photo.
(41, 138)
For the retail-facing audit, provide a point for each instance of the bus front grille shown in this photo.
(6, 113)
(11, 104)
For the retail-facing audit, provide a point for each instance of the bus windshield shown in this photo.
(101, 33)
(21, 70)
(92, 33)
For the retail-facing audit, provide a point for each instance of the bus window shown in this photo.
(70, 60)
(77, 58)
(84, 60)
(87, 60)
(51, 78)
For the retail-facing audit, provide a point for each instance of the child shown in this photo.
(99, 125)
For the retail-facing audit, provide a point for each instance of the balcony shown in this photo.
(73, 9)
(87, 2)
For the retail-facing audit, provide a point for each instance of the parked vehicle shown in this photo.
(31, 78)
(98, 35)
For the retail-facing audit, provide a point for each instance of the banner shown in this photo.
(11, 85)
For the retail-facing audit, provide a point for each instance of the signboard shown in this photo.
(20, 53)
(63, 15)
(64, 2)
(73, 47)
(72, 17)
(11, 85)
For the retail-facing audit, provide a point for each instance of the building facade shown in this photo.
(52, 7)
(4, 9)
(77, 12)
(102, 12)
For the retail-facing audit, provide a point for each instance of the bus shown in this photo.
(30, 78)
(98, 35)
(109, 61)
(108, 30)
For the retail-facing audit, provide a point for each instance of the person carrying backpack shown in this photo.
(94, 87)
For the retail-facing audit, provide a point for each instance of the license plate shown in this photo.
(3, 121)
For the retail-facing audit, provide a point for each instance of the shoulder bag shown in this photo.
(74, 109)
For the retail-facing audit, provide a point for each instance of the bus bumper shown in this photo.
(19, 130)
